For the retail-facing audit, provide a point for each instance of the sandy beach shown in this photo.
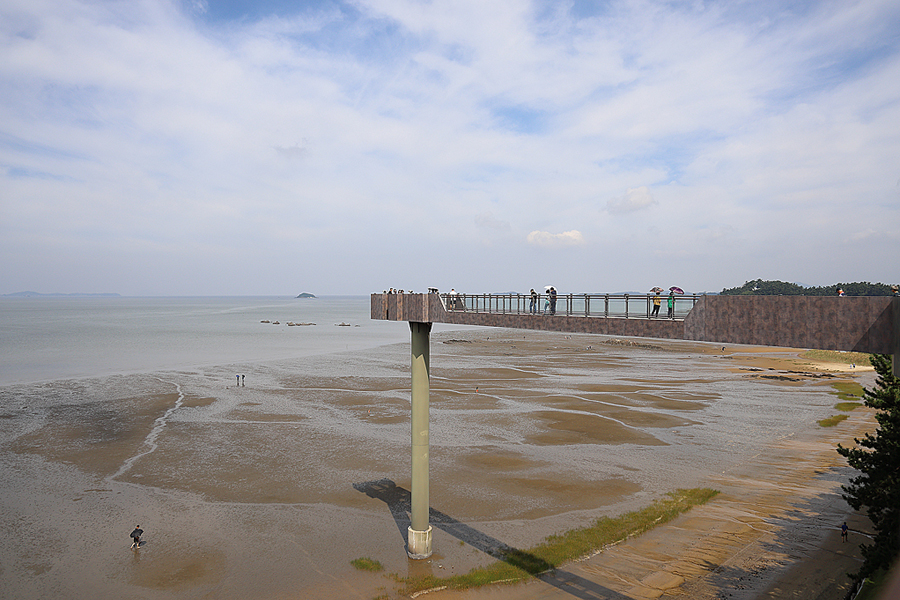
(270, 490)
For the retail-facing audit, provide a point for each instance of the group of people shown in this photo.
(549, 303)
(657, 301)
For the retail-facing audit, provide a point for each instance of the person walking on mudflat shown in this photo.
(136, 536)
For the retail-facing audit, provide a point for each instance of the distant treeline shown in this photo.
(782, 288)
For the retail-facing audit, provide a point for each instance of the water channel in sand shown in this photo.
(271, 489)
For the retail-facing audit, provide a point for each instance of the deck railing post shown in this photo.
(504, 304)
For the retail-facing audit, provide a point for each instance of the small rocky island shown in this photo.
(306, 295)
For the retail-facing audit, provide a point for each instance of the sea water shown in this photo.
(50, 338)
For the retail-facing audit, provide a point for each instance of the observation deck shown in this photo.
(854, 323)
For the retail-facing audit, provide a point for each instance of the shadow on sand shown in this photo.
(398, 500)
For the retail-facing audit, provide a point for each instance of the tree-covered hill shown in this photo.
(782, 288)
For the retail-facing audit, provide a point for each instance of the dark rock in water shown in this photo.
(306, 295)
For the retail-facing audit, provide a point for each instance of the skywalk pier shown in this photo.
(868, 324)
(853, 323)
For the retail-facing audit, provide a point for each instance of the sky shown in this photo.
(272, 147)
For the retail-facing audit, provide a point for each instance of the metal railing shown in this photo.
(620, 306)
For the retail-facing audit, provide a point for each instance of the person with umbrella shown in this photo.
(552, 300)
(672, 291)
(657, 300)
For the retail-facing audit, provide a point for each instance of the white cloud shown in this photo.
(489, 221)
(295, 151)
(634, 199)
(125, 128)
(199, 6)
(552, 240)
(861, 236)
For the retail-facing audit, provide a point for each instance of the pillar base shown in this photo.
(419, 543)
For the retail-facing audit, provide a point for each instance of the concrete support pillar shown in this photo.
(419, 539)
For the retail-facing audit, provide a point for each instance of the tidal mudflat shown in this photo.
(269, 490)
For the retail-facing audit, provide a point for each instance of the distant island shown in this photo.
(40, 295)
(306, 295)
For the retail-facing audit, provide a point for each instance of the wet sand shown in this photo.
(270, 490)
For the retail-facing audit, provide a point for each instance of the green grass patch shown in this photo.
(855, 358)
(848, 390)
(832, 421)
(367, 564)
(516, 565)
(847, 406)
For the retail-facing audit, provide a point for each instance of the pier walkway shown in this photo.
(853, 323)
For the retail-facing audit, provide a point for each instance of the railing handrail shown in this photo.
(624, 305)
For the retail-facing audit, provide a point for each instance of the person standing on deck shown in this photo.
(672, 304)
(656, 303)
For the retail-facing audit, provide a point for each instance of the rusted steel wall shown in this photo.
(404, 307)
(857, 323)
